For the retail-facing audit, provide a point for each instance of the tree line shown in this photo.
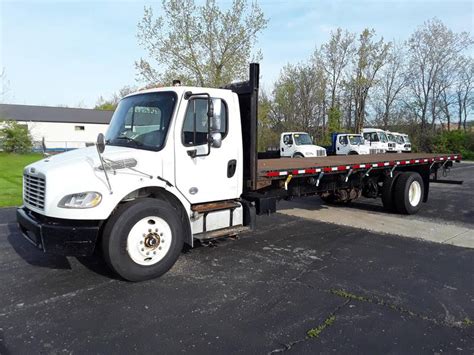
(420, 86)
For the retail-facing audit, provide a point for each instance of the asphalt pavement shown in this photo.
(294, 285)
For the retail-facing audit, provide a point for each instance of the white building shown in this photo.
(61, 128)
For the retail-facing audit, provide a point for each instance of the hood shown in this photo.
(80, 171)
(84, 158)
(311, 150)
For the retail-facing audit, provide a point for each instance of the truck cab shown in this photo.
(406, 142)
(392, 142)
(348, 144)
(299, 145)
(376, 139)
(180, 146)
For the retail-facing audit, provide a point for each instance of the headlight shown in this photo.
(81, 200)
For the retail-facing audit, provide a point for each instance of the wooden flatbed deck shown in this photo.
(273, 168)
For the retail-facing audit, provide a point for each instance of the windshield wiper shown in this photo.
(137, 143)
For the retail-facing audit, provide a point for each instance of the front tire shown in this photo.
(408, 193)
(143, 239)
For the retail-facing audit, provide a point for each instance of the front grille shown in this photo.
(376, 151)
(320, 152)
(34, 190)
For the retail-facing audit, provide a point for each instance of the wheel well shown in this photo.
(162, 194)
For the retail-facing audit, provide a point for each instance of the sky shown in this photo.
(71, 52)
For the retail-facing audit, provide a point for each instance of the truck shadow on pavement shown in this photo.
(36, 257)
(315, 204)
(31, 254)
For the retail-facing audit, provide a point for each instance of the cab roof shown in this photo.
(180, 90)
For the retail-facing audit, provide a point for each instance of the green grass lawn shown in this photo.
(11, 172)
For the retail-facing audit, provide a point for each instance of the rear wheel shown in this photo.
(143, 239)
(408, 192)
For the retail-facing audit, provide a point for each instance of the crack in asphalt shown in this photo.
(313, 332)
(381, 302)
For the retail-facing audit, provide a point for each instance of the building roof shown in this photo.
(54, 114)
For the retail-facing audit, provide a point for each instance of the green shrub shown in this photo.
(454, 142)
(14, 137)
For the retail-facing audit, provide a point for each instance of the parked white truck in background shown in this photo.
(180, 164)
(402, 141)
(377, 140)
(299, 145)
(347, 144)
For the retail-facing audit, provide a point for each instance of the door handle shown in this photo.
(231, 167)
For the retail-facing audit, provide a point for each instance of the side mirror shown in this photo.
(216, 139)
(100, 144)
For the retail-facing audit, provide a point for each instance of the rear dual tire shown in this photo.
(403, 193)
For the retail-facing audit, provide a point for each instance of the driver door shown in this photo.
(212, 175)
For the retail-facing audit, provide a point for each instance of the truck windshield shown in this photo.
(399, 139)
(356, 140)
(383, 137)
(142, 121)
(406, 139)
(391, 137)
(303, 139)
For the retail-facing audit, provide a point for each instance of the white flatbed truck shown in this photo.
(179, 164)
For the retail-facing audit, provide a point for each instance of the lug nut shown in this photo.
(159, 248)
(154, 252)
(149, 230)
(143, 249)
(156, 229)
(141, 241)
(147, 253)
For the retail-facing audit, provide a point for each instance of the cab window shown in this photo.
(343, 140)
(373, 137)
(195, 127)
(287, 139)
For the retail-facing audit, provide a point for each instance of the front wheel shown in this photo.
(143, 239)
